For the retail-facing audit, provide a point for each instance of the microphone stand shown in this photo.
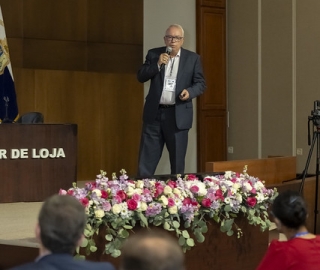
(6, 118)
(316, 135)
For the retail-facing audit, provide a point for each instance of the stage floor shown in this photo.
(18, 222)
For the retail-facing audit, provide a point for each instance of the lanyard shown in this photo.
(172, 63)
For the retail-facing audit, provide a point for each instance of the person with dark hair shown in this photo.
(59, 231)
(176, 78)
(301, 251)
(152, 249)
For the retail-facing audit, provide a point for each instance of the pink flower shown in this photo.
(192, 177)
(62, 192)
(117, 198)
(171, 202)
(159, 190)
(132, 204)
(251, 201)
(194, 189)
(172, 184)
(91, 185)
(206, 202)
(70, 192)
(136, 197)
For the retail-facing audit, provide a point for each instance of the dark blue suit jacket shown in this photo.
(190, 77)
(64, 262)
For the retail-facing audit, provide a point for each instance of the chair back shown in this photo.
(31, 118)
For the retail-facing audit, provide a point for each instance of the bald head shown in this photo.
(152, 250)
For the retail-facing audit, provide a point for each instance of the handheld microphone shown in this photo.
(168, 51)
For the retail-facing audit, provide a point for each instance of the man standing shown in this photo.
(176, 78)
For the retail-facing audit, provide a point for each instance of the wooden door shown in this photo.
(211, 106)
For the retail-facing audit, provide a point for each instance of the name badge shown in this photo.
(169, 84)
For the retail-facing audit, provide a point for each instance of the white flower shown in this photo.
(116, 209)
(239, 197)
(130, 191)
(99, 213)
(173, 210)
(167, 190)
(247, 186)
(227, 200)
(139, 184)
(164, 200)
(201, 186)
(228, 175)
(97, 192)
(260, 197)
(177, 191)
(258, 185)
(143, 206)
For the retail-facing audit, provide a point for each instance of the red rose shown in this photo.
(251, 201)
(122, 195)
(132, 204)
(186, 201)
(219, 194)
(206, 202)
(84, 201)
(194, 203)
(104, 194)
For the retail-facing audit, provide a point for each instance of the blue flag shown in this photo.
(8, 100)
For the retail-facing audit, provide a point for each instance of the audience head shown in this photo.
(290, 209)
(61, 224)
(152, 250)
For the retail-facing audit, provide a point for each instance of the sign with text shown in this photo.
(36, 160)
(25, 153)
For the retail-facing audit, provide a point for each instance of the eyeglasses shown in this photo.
(173, 38)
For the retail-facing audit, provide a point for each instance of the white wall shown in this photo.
(158, 15)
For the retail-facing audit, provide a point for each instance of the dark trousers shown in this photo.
(163, 131)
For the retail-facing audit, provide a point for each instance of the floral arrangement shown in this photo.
(183, 206)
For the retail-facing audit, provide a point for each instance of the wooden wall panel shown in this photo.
(16, 51)
(63, 41)
(25, 89)
(53, 54)
(55, 20)
(12, 13)
(121, 97)
(106, 107)
(119, 58)
(115, 22)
